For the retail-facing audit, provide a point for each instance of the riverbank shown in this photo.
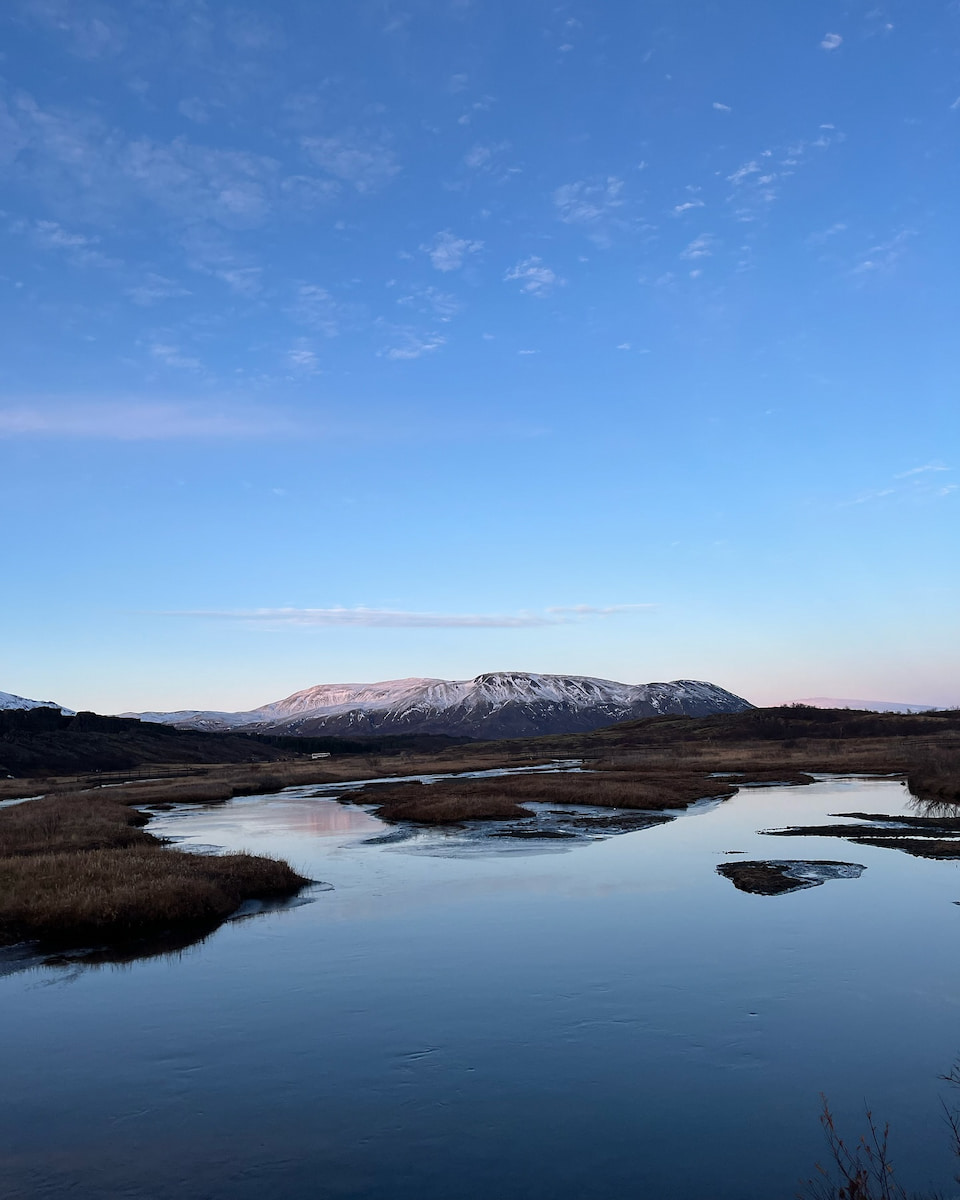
(79, 869)
(78, 865)
(449, 801)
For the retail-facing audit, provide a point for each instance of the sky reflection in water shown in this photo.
(609, 1019)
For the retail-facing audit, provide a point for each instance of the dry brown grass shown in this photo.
(938, 779)
(441, 804)
(76, 866)
(495, 799)
(71, 898)
(58, 824)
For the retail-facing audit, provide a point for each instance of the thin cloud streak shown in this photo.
(386, 618)
(156, 420)
(138, 422)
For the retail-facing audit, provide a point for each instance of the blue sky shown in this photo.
(354, 341)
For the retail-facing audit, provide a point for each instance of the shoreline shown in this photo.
(78, 868)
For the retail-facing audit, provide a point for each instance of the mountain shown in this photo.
(868, 705)
(9, 701)
(496, 705)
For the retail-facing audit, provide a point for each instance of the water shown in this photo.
(469, 1018)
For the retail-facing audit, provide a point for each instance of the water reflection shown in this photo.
(614, 1021)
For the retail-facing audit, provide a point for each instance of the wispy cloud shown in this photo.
(758, 182)
(824, 235)
(448, 252)
(589, 610)
(409, 343)
(831, 41)
(925, 469)
(89, 34)
(387, 618)
(917, 484)
(431, 302)
(229, 186)
(484, 156)
(79, 249)
(366, 163)
(593, 203)
(155, 288)
(722, 107)
(588, 201)
(700, 247)
(741, 173)
(316, 307)
(884, 256)
(303, 359)
(173, 356)
(534, 278)
(137, 421)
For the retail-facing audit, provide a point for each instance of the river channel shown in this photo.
(460, 1016)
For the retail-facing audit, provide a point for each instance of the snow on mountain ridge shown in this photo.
(494, 704)
(9, 701)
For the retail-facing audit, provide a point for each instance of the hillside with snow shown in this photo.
(9, 701)
(495, 705)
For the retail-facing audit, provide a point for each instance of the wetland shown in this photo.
(559, 1004)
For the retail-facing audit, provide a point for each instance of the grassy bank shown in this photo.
(453, 800)
(78, 868)
(937, 781)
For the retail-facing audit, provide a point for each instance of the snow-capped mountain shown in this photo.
(495, 705)
(8, 700)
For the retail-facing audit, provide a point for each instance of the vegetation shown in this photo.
(79, 861)
(937, 780)
(73, 899)
(776, 878)
(78, 867)
(502, 797)
(43, 741)
(864, 1170)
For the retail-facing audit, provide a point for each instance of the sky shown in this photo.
(349, 342)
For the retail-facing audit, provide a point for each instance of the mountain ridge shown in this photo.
(491, 705)
(9, 701)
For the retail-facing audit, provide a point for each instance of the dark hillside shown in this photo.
(42, 741)
(785, 722)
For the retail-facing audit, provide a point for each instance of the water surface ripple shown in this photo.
(613, 1020)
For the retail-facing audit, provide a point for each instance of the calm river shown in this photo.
(472, 1018)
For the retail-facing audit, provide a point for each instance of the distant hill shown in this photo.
(9, 701)
(501, 704)
(867, 705)
(42, 740)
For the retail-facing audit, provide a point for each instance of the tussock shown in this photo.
(77, 867)
(71, 898)
(496, 799)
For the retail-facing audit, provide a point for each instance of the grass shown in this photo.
(453, 800)
(49, 881)
(937, 780)
(73, 898)
(78, 867)
(63, 824)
